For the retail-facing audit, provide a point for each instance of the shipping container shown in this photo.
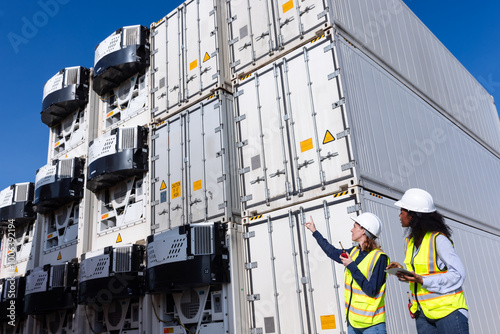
(192, 165)
(121, 78)
(291, 130)
(288, 273)
(188, 60)
(260, 32)
(397, 38)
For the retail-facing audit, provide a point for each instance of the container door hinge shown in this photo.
(349, 165)
(244, 170)
(329, 47)
(251, 265)
(222, 206)
(238, 93)
(221, 178)
(249, 235)
(240, 118)
(354, 208)
(155, 136)
(156, 179)
(154, 90)
(240, 144)
(252, 298)
(343, 134)
(154, 110)
(154, 52)
(256, 331)
(334, 74)
(155, 203)
(246, 198)
(236, 63)
(323, 13)
(231, 19)
(338, 103)
(156, 157)
(233, 41)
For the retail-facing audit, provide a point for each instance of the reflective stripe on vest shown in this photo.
(424, 263)
(364, 311)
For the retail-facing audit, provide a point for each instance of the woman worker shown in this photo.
(364, 275)
(437, 274)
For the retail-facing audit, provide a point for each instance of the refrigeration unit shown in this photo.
(111, 283)
(16, 203)
(69, 134)
(58, 183)
(65, 93)
(189, 266)
(51, 293)
(120, 56)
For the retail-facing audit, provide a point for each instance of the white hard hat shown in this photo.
(369, 222)
(417, 200)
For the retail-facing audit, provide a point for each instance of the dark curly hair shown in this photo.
(421, 223)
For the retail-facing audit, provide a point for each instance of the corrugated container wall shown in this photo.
(400, 141)
(188, 60)
(390, 30)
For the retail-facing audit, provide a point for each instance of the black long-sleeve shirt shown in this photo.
(370, 287)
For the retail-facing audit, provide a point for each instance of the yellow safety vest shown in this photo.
(434, 305)
(361, 310)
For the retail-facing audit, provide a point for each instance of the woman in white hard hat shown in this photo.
(437, 274)
(365, 275)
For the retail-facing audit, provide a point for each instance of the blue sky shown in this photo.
(48, 35)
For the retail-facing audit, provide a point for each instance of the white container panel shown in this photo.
(395, 35)
(292, 134)
(400, 142)
(192, 171)
(260, 32)
(299, 288)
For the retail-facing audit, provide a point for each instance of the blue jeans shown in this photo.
(376, 329)
(453, 323)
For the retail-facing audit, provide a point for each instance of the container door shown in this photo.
(174, 73)
(200, 47)
(293, 287)
(263, 139)
(206, 160)
(159, 89)
(251, 34)
(296, 18)
(168, 189)
(316, 117)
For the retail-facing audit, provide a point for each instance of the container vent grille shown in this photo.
(58, 276)
(72, 76)
(65, 168)
(132, 36)
(22, 193)
(128, 138)
(202, 240)
(122, 259)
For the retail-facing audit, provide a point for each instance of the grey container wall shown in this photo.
(400, 141)
(392, 32)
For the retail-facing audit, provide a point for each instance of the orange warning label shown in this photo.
(163, 185)
(104, 216)
(328, 137)
(119, 239)
(306, 145)
(168, 330)
(193, 65)
(207, 57)
(59, 256)
(109, 114)
(176, 189)
(196, 185)
(328, 322)
(287, 6)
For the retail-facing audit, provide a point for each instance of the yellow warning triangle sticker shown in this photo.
(207, 57)
(163, 185)
(119, 239)
(59, 256)
(328, 137)
(15, 270)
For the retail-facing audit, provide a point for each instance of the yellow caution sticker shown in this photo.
(328, 322)
(256, 217)
(104, 216)
(163, 185)
(59, 256)
(193, 65)
(340, 194)
(50, 236)
(109, 114)
(317, 38)
(176, 189)
(306, 145)
(57, 144)
(119, 239)
(287, 6)
(15, 270)
(210, 97)
(245, 77)
(168, 330)
(196, 185)
(207, 57)
(328, 137)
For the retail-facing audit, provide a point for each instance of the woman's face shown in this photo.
(405, 218)
(357, 233)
